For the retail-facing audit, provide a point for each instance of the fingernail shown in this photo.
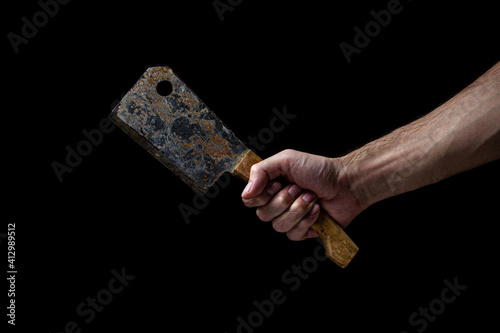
(274, 188)
(314, 210)
(294, 191)
(248, 187)
(308, 197)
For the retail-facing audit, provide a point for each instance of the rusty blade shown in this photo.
(178, 129)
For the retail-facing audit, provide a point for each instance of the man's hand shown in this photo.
(459, 135)
(294, 207)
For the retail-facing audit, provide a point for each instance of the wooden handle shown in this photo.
(338, 246)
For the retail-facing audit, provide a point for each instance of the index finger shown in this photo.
(260, 175)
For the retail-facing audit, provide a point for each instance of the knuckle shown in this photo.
(247, 202)
(288, 152)
(298, 207)
(282, 199)
(259, 201)
(287, 155)
(279, 226)
(255, 202)
(250, 202)
(261, 214)
(254, 168)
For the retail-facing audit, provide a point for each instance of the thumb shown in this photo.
(261, 173)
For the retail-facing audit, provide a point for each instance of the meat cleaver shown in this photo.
(167, 119)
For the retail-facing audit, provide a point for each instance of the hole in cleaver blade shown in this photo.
(178, 129)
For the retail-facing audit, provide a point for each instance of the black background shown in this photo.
(119, 207)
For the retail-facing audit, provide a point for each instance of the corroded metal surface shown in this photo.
(178, 129)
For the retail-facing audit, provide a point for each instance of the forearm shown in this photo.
(459, 135)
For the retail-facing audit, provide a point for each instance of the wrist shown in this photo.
(347, 195)
(382, 169)
(364, 178)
